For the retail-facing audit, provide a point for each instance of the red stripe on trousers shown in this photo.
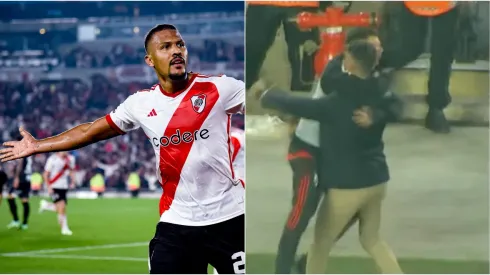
(299, 154)
(173, 157)
(300, 203)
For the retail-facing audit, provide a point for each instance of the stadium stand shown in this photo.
(61, 65)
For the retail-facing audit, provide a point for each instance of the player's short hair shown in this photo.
(359, 33)
(156, 29)
(364, 53)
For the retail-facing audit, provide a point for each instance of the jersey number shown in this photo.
(239, 262)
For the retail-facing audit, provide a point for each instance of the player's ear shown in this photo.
(149, 61)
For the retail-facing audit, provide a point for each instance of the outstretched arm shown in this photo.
(77, 137)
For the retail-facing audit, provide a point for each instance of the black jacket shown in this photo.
(351, 156)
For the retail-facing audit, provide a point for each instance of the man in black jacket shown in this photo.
(351, 156)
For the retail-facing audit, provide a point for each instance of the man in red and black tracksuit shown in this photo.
(303, 157)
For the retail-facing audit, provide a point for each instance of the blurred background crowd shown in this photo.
(65, 63)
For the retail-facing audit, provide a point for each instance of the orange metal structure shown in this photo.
(332, 33)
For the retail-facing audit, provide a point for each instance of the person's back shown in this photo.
(347, 146)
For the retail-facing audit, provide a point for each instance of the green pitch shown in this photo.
(111, 236)
(264, 263)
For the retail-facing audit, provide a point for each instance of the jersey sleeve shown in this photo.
(233, 93)
(122, 118)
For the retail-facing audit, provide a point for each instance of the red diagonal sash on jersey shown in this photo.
(173, 157)
(236, 147)
(233, 141)
(58, 176)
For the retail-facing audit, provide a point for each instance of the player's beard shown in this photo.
(178, 77)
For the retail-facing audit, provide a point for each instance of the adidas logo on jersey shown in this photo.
(152, 113)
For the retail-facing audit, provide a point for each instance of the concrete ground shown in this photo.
(437, 205)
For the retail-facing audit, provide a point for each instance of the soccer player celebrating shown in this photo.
(187, 119)
(58, 172)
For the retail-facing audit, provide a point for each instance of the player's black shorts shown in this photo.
(59, 195)
(180, 249)
(22, 191)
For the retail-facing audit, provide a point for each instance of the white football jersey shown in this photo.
(58, 169)
(190, 134)
(238, 153)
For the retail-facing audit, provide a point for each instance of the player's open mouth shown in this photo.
(177, 62)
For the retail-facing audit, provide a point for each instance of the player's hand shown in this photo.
(258, 88)
(50, 190)
(18, 149)
(363, 117)
(72, 185)
(16, 183)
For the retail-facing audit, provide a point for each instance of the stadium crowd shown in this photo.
(213, 51)
(119, 54)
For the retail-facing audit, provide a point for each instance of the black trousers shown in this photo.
(303, 160)
(180, 249)
(262, 23)
(407, 42)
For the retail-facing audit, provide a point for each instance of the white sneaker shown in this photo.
(13, 224)
(42, 205)
(66, 232)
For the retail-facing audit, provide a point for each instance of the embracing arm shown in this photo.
(319, 109)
